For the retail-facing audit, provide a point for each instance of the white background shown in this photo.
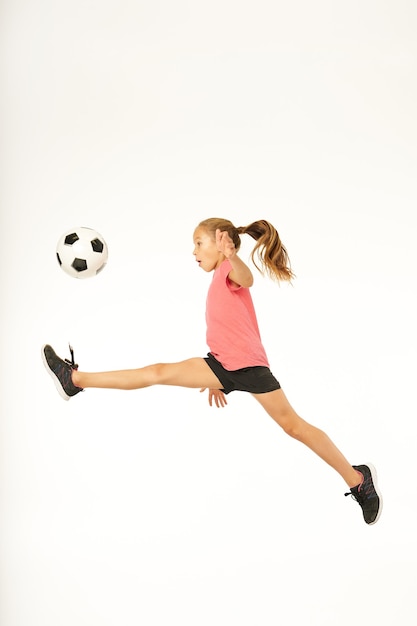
(140, 119)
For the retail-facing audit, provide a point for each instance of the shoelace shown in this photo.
(366, 490)
(356, 496)
(72, 362)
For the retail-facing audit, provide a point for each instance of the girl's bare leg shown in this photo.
(277, 406)
(194, 373)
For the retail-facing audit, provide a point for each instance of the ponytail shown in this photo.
(269, 250)
(273, 257)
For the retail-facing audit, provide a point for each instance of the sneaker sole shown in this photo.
(54, 377)
(374, 480)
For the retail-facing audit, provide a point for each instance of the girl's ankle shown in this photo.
(75, 377)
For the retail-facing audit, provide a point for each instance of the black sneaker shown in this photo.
(367, 494)
(61, 372)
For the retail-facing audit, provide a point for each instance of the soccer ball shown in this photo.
(82, 252)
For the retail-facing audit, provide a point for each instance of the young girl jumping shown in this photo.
(237, 358)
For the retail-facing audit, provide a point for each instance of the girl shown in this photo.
(237, 359)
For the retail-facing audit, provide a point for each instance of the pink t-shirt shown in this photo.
(232, 328)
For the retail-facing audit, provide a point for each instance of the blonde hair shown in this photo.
(269, 250)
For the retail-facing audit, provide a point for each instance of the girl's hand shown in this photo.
(218, 395)
(225, 244)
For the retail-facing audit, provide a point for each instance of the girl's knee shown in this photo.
(155, 374)
(292, 424)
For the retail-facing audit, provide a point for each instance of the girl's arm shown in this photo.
(240, 272)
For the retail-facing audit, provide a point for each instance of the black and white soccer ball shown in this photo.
(82, 252)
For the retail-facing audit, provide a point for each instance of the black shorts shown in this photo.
(257, 379)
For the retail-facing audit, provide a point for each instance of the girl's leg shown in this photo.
(277, 406)
(193, 373)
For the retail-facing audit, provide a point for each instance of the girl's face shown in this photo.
(205, 250)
